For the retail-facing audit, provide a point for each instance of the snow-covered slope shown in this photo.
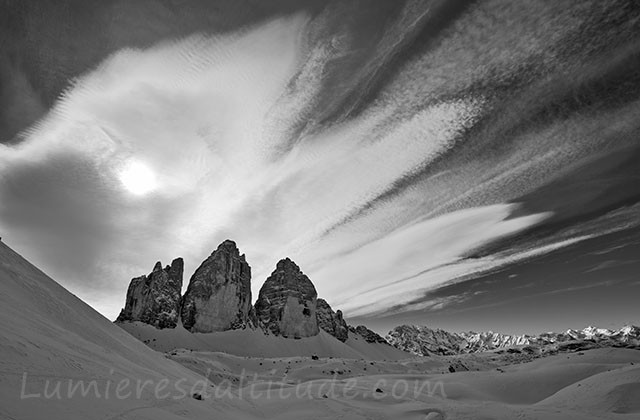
(256, 343)
(51, 340)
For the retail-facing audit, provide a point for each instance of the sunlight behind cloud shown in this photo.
(137, 177)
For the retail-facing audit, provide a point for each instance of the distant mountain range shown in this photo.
(424, 341)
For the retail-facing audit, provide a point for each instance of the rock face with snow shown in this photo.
(218, 297)
(424, 341)
(331, 322)
(287, 302)
(367, 334)
(155, 299)
(627, 334)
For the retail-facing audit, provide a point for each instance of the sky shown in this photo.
(454, 164)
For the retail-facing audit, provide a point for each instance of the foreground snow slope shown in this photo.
(48, 334)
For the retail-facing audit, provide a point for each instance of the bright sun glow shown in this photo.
(137, 177)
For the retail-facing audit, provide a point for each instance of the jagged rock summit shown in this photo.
(218, 297)
(155, 299)
(287, 302)
(331, 322)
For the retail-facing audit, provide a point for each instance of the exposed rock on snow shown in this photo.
(286, 304)
(331, 322)
(219, 294)
(155, 299)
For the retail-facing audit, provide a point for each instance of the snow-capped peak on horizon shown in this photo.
(628, 329)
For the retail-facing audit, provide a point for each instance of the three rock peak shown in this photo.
(218, 298)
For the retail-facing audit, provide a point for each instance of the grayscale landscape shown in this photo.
(319, 209)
